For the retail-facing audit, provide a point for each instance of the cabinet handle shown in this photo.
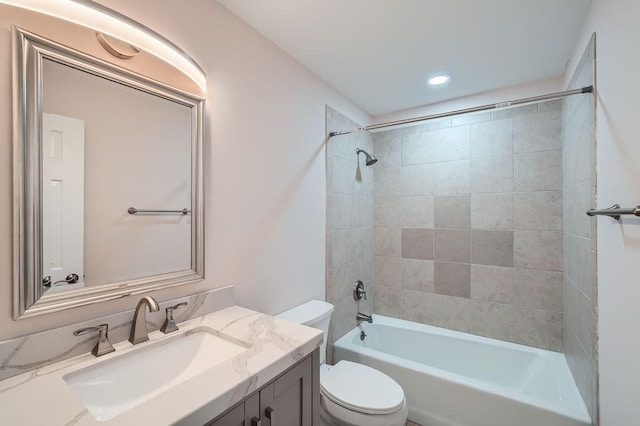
(256, 422)
(269, 414)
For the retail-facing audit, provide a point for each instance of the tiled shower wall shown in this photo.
(579, 194)
(349, 225)
(468, 224)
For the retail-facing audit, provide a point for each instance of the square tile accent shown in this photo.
(492, 211)
(452, 245)
(453, 211)
(492, 174)
(417, 243)
(453, 279)
(492, 248)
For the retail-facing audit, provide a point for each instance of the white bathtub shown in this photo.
(458, 379)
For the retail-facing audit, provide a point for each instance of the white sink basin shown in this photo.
(115, 385)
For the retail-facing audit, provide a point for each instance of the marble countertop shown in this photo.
(42, 396)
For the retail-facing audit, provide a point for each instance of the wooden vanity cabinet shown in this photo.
(291, 399)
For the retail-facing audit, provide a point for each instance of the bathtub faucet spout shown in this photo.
(364, 317)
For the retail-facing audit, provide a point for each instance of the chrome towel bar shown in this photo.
(133, 210)
(614, 211)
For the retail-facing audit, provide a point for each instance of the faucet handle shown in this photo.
(103, 346)
(169, 325)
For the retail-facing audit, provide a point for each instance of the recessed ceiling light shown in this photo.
(439, 79)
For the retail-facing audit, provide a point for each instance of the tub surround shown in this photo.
(579, 194)
(273, 345)
(468, 224)
(40, 349)
(349, 247)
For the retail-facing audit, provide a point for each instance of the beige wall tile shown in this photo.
(539, 210)
(387, 271)
(417, 179)
(415, 212)
(388, 151)
(492, 248)
(492, 138)
(452, 177)
(418, 275)
(492, 283)
(386, 211)
(539, 328)
(492, 211)
(387, 242)
(387, 181)
(538, 171)
(538, 132)
(491, 319)
(538, 289)
(538, 250)
(492, 174)
(453, 211)
(452, 144)
(418, 148)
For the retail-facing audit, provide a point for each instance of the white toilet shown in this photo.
(350, 394)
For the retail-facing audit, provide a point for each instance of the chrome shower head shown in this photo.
(370, 159)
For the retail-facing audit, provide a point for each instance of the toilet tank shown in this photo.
(314, 313)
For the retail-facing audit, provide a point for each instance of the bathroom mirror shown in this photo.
(108, 180)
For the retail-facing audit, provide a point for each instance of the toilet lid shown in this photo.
(362, 389)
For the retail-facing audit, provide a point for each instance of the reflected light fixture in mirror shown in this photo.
(100, 18)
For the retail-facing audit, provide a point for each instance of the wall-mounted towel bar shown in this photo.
(614, 211)
(133, 210)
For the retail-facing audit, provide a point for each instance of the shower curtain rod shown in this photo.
(588, 89)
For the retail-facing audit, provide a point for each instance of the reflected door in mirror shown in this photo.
(62, 200)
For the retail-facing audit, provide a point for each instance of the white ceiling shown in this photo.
(378, 53)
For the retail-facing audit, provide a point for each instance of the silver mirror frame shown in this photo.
(29, 51)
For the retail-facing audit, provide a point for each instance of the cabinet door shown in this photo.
(235, 417)
(288, 400)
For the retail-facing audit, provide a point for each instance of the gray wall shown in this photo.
(468, 224)
(579, 194)
(349, 225)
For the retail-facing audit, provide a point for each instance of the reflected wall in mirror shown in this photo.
(96, 140)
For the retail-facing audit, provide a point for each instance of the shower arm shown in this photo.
(587, 89)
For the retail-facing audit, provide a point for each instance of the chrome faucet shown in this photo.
(364, 317)
(139, 331)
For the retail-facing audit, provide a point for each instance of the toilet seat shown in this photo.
(362, 389)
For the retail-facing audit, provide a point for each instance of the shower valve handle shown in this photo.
(358, 291)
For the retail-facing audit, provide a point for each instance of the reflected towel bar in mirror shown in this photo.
(133, 210)
(615, 211)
